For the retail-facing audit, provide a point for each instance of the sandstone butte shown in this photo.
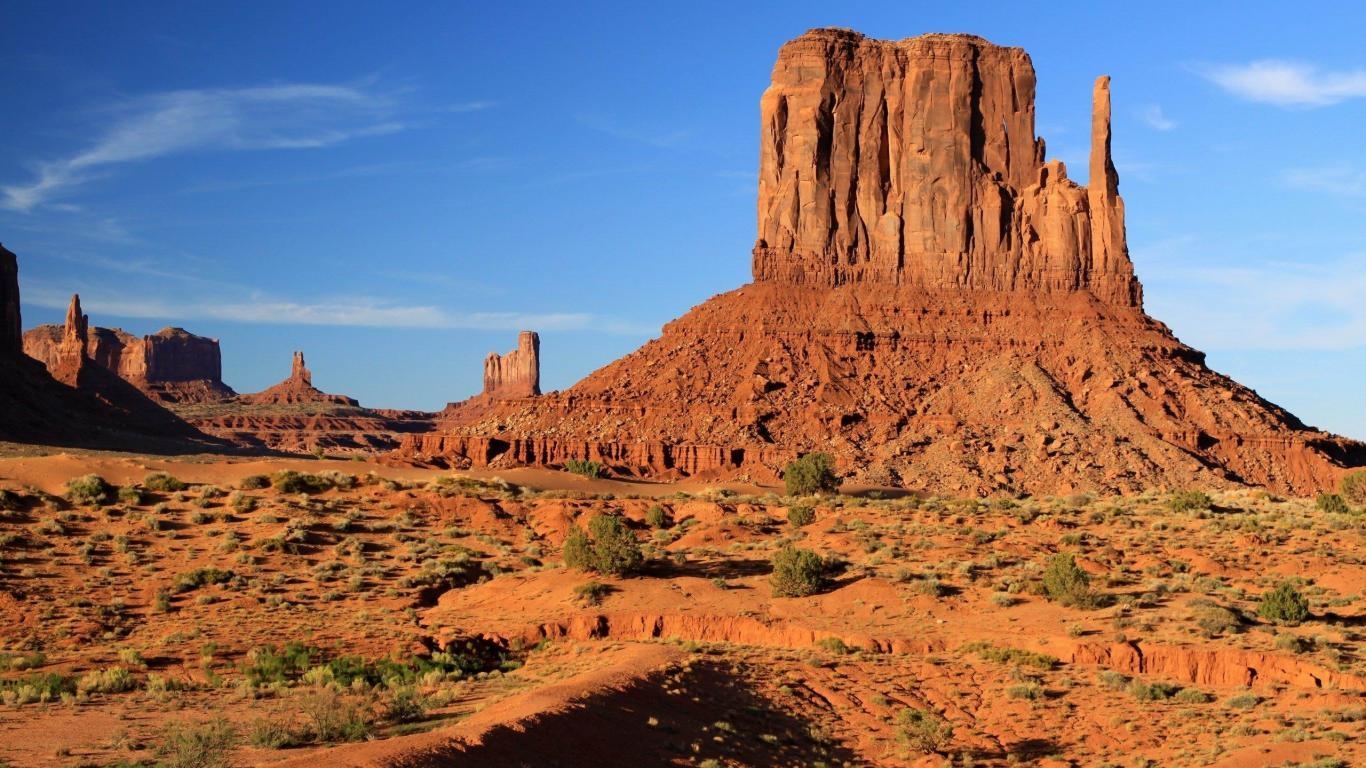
(298, 388)
(74, 401)
(171, 365)
(933, 302)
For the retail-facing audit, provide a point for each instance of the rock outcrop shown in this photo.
(934, 302)
(11, 321)
(75, 402)
(296, 389)
(517, 373)
(915, 163)
(171, 365)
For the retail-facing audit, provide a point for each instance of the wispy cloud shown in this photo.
(1339, 181)
(290, 116)
(1156, 119)
(468, 106)
(662, 139)
(1288, 83)
(1255, 305)
(356, 311)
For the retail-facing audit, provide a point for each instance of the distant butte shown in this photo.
(934, 302)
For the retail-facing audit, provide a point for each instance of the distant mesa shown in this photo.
(171, 365)
(934, 302)
(296, 389)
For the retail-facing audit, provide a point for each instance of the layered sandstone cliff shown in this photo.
(517, 373)
(934, 302)
(915, 162)
(73, 401)
(172, 365)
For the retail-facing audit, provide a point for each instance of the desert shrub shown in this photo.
(1292, 643)
(111, 680)
(89, 489)
(10, 501)
(203, 745)
(289, 481)
(131, 495)
(405, 704)
(1189, 501)
(1152, 691)
(268, 733)
(1243, 701)
(254, 482)
(200, 577)
(657, 517)
(812, 473)
(333, 717)
(1214, 620)
(587, 468)
(1003, 655)
(266, 664)
(1354, 487)
(923, 731)
(797, 573)
(1331, 503)
(44, 687)
(591, 592)
(608, 548)
(1028, 691)
(162, 482)
(243, 504)
(1066, 583)
(1191, 696)
(799, 517)
(1284, 605)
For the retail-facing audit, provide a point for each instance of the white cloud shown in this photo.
(292, 116)
(1288, 83)
(1255, 305)
(1340, 181)
(1156, 119)
(367, 312)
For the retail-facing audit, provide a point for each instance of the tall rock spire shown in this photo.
(299, 372)
(1108, 246)
(517, 373)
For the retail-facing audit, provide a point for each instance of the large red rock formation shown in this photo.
(79, 403)
(517, 373)
(172, 365)
(934, 302)
(11, 323)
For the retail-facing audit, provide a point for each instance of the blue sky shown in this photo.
(398, 190)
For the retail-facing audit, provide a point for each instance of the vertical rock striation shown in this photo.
(517, 373)
(915, 162)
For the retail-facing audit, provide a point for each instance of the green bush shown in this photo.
(162, 483)
(1284, 605)
(923, 731)
(797, 573)
(90, 489)
(1152, 691)
(591, 592)
(1354, 487)
(1066, 583)
(266, 664)
(609, 547)
(1189, 501)
(333, 717)
(812, 473)
(589, 469)
(657, 517)
(204, 745)
(200, 577)
(130, 495)
(1332, 504)
(799, 517)
(254, 482)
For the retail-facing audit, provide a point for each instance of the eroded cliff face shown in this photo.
(11, 322)
(934, 303)
(517, 373)
(915, 162)
(172, 365)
